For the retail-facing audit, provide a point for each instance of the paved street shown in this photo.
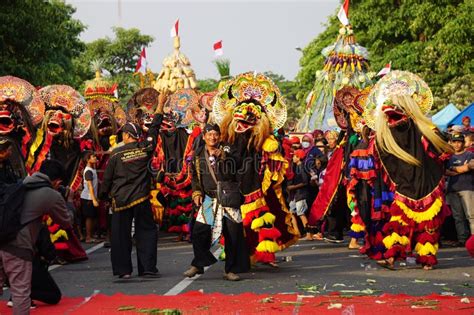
(313, 268)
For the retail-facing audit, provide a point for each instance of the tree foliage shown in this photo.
(38, 41)
(119, 56)
(208, 85)
(289, 90)
(427, 37)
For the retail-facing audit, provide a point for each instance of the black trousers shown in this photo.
(237, 258)
(339, 216)
(146, 240)
(43, 286)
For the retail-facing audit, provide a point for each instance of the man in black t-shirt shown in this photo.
(461, 188)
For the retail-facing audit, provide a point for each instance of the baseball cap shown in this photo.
(457, 137)
(132, 129)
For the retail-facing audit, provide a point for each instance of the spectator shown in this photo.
(89, 202)
(299, 190)
(321, 145)
(16, 256)
(318, 135)
(461, 188)
(466, 122)
(295, 143)
(469, 142)
(43, 286)
(331, 138)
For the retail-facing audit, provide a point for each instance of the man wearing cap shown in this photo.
(212, 165)
(461, 188)
(127, 182)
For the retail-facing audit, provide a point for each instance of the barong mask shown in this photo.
(381, 103)
(108, 116)
(396, 104)
(141, 107)
(249, 102)
(67, 114)
(346, 110)
(20, 106)
(183, 110)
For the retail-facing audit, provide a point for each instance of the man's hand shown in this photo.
(95, 203)
(161, 102)
(197, 200)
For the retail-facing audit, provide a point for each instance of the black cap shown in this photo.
(211, 127)
(4, 143)
(132, 129)
(457, 137)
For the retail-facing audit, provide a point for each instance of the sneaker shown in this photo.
(231, 276)
(191, 272)
(333, 239)
(10, 304)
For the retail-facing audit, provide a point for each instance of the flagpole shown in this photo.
(119, 4)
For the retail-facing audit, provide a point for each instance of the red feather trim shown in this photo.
(427, 260)
(268, 234)
(24, 143)
(428, 238)
(61, 246)
(264, 257)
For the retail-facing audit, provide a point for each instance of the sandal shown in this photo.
(386, 264)
(273, 264)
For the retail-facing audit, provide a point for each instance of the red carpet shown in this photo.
(249, 303)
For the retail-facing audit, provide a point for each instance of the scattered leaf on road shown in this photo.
(126, 308)
(334, 306)
(420, 281)
(267, 300)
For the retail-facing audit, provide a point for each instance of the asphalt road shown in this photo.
(313, 268)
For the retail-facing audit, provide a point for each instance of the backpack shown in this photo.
(11, 207)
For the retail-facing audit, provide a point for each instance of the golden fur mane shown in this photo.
(258, 133)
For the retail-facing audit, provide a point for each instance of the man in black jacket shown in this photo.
(209, 167)
(127, 182)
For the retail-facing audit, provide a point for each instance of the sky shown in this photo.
(259, 35)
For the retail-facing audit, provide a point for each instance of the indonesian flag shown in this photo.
(343, 14)
(174, 30)
(141, 64)
(385, 69)
(218, 48)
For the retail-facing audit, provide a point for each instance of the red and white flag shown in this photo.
(175, 29)
(115, 89)
(385, 69)
(141, 64)
(218, 48)
(343, 14)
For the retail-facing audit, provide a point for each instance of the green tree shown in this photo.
(430, 38)
(38, 41)
(119, 56)
(208, 85)
(289, 90)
